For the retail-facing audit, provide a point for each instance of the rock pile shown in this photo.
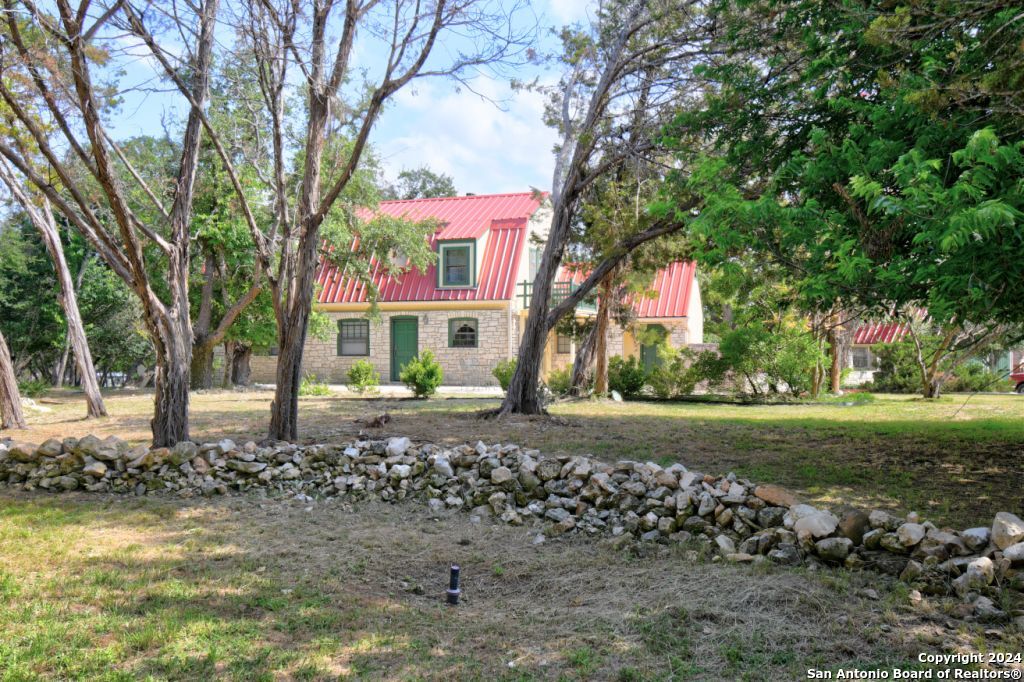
(742, 521)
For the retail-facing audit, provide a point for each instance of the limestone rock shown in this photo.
(95, 468)
(397, 447)
(23, 452)
(884, 520)
(834, 549)
(501, 475)
(50, 448)
(1007, 529)
(775, 495)
(1014, 553)
(910, 534)
(819, 525)
(246, 467)
(976, 538)
(853, 524)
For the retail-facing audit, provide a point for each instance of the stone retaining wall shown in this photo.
(565, 495)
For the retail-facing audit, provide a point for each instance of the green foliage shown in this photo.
(362, 377)
(898, 371)
(421, 183)
(422, 374)
(888, 176)
(312, 386)
(33, 388)
(858, 397)
(675, 374)
(559, 381)
(975, 376)
(783, 359)
(627, 376)
(503, 372)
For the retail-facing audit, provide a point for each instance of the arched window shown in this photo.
(463, 333)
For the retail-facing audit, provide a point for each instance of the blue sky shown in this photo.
(486, 147)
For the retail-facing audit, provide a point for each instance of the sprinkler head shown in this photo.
(453, 586)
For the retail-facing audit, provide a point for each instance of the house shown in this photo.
(470, 307)
(862, 362)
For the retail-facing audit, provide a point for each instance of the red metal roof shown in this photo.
(879, 332)
(466, 217)
(504, 215)
(673, 286)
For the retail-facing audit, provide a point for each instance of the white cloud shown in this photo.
(485, 148)
(568, 11)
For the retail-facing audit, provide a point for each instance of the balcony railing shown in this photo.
(559, 292)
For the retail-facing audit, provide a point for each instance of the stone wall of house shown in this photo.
(462, 366)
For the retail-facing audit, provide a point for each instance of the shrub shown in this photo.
(33, 388)
(897, 368)
(784, 359)
(362, 377)
(974, 376)
(628, 377)
(675, 375)
(560, 381)
(312, 386)
(422, 374)
(503, 372)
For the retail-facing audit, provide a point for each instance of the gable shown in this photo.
(497, 224)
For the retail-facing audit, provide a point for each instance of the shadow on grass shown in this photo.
(244, 589)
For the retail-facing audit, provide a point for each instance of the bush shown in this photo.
(312, 386)
(560, 381)
(675, 375)
(422, 374)
(503, 372)
(897, 368)
(362, 377)
(627, 376)
(784, 359)
(974, 376)
(33, 388)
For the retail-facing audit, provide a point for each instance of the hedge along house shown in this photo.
(470, 306)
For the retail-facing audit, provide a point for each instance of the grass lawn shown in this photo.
(96, 587)
(955, 463)
(106, 587)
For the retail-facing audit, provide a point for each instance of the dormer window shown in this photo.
(457, 264)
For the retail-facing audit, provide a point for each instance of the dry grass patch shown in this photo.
(249, 588)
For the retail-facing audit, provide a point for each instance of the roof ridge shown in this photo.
(462, 197)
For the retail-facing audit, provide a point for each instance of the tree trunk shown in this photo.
(173, 345)
(229, 351)
(601, 345)
(240, 368)
(284, 410)
(69, 303)
(201, 370)
(582, 364)
(62, 365)
(11, 416)
(836, 351)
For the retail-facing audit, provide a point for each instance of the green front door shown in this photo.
(404, 343)
(652, 337)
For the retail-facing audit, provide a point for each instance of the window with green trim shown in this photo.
(353, 337)
(457, 264)
(463, 333)
(564, 344)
